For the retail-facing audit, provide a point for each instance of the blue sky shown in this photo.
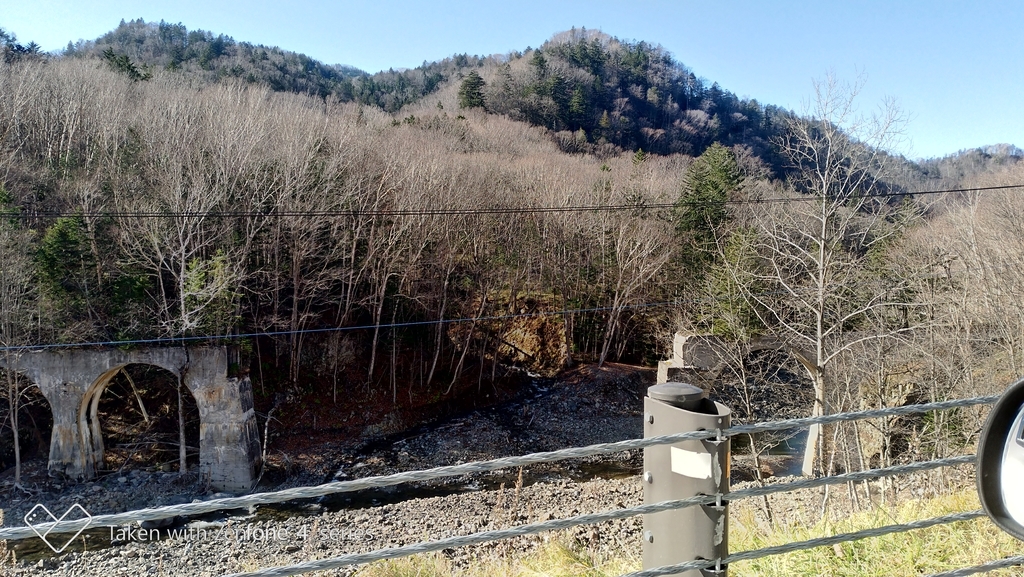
(957, 68)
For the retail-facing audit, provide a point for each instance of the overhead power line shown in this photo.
(469, 211)
(406, 324)
(184, 339)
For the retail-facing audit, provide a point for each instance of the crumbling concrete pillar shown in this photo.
(66, 455)
(229, 446)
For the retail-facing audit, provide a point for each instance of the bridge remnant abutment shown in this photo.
(700, 358)
(72, 380)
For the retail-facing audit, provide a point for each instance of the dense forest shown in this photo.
(593, 88)
(165, 183)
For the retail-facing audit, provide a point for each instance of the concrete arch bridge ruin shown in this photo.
(700, 359)
(72, 381)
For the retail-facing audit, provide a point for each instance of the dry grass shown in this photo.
(558, 558)
(912, 553)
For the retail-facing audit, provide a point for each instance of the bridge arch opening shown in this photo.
(129, 419)
(33, 424)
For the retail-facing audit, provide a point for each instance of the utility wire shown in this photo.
(256, 334)
(184, 339)
(492, 210)
(406, 324)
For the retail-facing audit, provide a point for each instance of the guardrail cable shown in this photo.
(983, 568)
(849, 477)
(801, 545)
(246, 501)
(594, 518)
(858, 415)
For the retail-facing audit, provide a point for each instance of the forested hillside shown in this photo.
(591, 88)
(209, 57)
(230, 208)
(443, 226)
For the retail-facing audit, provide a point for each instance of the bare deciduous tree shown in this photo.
(818, 248)
(17, 290)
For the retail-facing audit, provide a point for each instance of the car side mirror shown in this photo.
(1000, 466)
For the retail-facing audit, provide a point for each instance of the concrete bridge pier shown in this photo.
(67, 456)
(229, 441)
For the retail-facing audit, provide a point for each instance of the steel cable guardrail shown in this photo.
(594, 518)
(983, 568)
(857, 416)
(196, 508)
(801, 545)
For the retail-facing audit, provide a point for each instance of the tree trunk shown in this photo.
(440, 329)
(293, 353)
(12, 388)
(377, 312)
(813, 451)
(609, 334)
(465, 345)
(182, 453)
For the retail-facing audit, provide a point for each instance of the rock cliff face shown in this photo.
(526, 337)
(535, 343)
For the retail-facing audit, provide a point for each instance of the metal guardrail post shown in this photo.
(685, 470)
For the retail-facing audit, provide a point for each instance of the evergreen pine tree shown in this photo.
(471, 93)
(700, 210)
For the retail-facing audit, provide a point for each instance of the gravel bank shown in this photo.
(249, 542)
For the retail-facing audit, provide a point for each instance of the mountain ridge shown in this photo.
(627, 111)
(625, 94)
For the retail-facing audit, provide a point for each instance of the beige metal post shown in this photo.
(684, 470)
